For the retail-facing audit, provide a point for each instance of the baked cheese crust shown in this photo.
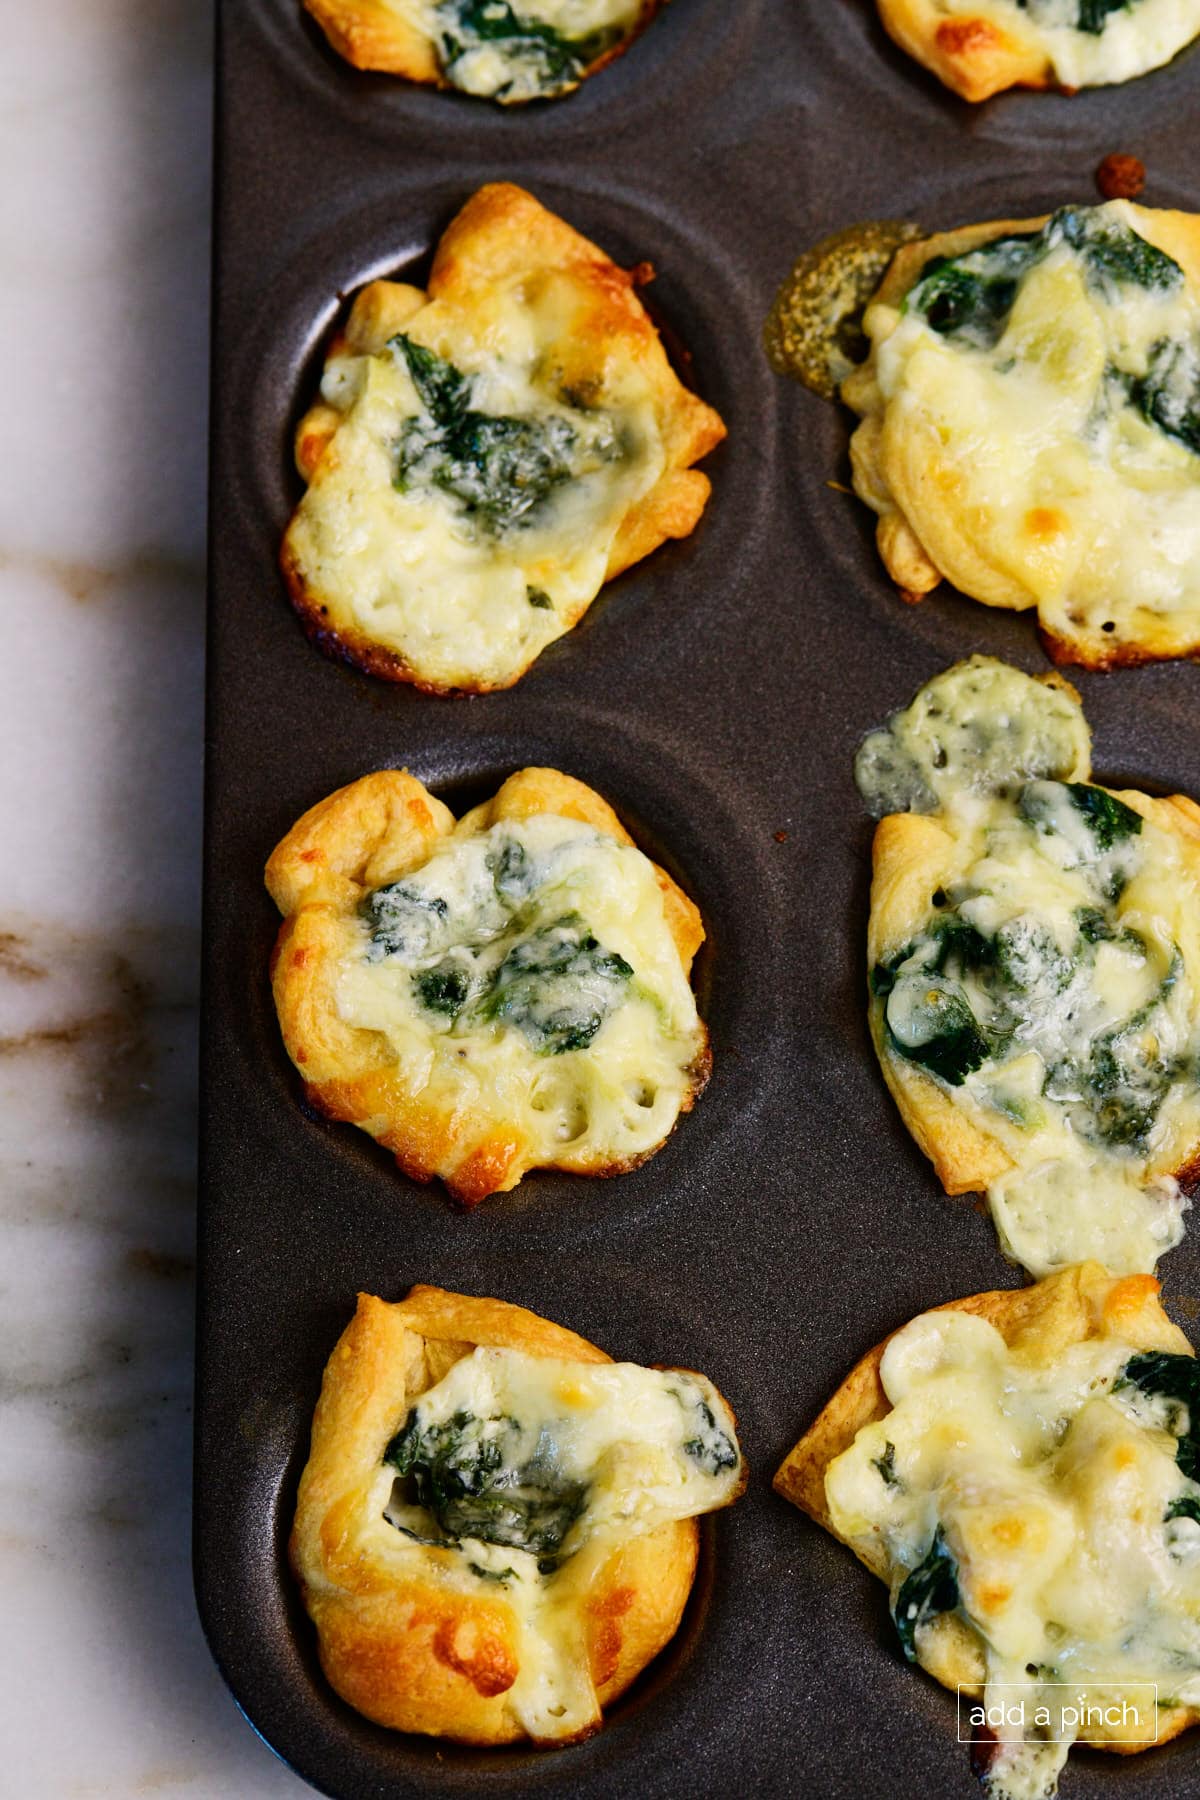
(496, 1529)
(1034, 947)
(1015, 1466)
(1031, 425)
(502, 994)
(486, 454)
(980, 47)
(506, 50)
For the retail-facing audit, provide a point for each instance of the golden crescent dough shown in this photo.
(925, 531)
(502, 240)
(368, 834)
(969, 53)
(1067, 1308)
(976, 54)
(416, 1655)
(372, 34)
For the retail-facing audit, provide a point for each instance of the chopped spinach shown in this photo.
(444, 390)
(493, 1574)
(960, 944)
(558, 986)
(1127, 1078)
(1166, 1375)
(539, 598)
(1124, 1114)
(1091, 15)
(1111, 821)
(955, 998)
(491, 960)
(970, 297)
(453, 1452)
(711, 1448)
(1112, 254)
(418, 1537)
(1096, 927)
(404, 920)
(929, 1018)
(1094, 15)
(931, 1023)
(886, 1466)
(445, 988)
(1128, 1095)
(1029, 969)
(1168, 394)
(932, 1588)
(514, 871)
(1186, 1507)
(950, 942)
(548, 59)
(499, 469)
(462, 1474)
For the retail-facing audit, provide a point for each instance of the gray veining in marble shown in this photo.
(106, 1687)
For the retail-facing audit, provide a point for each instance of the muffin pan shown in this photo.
(714, 694)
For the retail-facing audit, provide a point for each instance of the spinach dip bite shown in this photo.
(1023, 1470)
(1034, 955)
(496, 1529)
(979, 47)
(1031, 425)
(505, 50)
(504, 993)
(487, 453)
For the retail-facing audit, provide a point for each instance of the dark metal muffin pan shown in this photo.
(714, 694)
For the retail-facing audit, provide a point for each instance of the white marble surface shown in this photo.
(106, 1687)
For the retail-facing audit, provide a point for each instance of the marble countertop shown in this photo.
(108, 1688)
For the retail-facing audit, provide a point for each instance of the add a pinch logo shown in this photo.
(1058, 1712)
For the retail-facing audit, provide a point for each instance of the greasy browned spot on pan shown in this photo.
(814, 328)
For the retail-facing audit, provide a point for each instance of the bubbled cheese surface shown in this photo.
(473, 904)
(1086, 972)
(1049, 1482)
(636, 1447)
(1023, 467)
(417, 571)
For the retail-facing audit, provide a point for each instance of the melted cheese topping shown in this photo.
(527, 975)
(512, 50)
(1086, 45)
(610, 1451)
(1051, 987)
(1056, 481)
(432, 548)
(971, 730)
(1046, 1487)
